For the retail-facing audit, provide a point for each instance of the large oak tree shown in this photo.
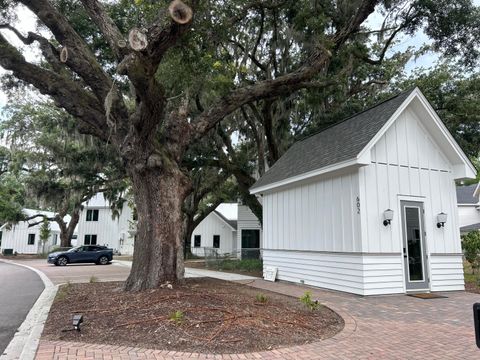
(126, 99)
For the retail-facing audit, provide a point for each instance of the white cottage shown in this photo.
(22, 238)
(217, 231)
(97, 226)
(360, 207)
(468, 199)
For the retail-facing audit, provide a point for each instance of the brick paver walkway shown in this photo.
(384, 327)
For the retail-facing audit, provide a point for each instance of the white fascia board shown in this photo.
(307, 175)
(223, 220)
(468, 170)
(366, 151)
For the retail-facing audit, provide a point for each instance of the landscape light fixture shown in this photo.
(387, 217)
(77, 320)
(441, 220)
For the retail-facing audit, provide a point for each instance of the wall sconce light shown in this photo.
(77, 320)
(441, 220)
(387, 217)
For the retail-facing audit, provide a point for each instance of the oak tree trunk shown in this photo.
(67, 231)
(158, 251)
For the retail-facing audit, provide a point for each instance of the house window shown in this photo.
(31, 239)
(216, 241)
(92, 215)
(90, 240)
(55, 239)
(197, 240)
(1, 235)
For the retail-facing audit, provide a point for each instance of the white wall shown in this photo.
(468, 215)
(213, 225)
(109, 231)
(408, 165)
(17, 239)
(321, 216)
(322, 234)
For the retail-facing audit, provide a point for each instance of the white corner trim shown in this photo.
(307, 175)
(25, 341)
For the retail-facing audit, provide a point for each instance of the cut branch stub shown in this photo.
(64, 55)
(180, 12)
(137, 40)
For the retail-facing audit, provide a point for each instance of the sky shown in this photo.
(27, 20)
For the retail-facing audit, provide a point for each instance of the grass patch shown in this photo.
(63, 291)
(472, 280)
(249, 265)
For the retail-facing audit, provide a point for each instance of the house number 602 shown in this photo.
(358, 205)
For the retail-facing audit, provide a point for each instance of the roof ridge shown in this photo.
(356, 114)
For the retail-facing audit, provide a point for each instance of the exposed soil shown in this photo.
(472, 287)
(218, 317)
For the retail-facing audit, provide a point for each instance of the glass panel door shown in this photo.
(414, 251)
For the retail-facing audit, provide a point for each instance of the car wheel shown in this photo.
(102, 260)
(62, 261)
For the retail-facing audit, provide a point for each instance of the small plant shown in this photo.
(177, 317)
(306, 300)
(63, 291)
(261, 298)
(93, 279)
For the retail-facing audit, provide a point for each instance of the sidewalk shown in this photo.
(383, 327)
(195, 272)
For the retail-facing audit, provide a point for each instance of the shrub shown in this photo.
(471, 249)
(306, 300)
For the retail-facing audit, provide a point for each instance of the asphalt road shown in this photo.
(19, 289)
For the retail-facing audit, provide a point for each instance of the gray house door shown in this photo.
(414, 251)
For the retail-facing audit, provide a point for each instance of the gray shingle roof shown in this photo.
(232, 223)
(340, 142)
(465, 194)
(468, 228)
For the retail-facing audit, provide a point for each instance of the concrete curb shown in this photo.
(25, 341)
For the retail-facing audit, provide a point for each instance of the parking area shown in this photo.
(77, 273)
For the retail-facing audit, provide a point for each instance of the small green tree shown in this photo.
(471, 249)
(45, 233)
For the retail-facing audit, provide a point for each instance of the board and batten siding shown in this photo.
(247, 221)
(109, 231)
(16, 238)
(320, 216)
(407, 164)
(213, 225)
(330, 233)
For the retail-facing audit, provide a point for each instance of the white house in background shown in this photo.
(217, 231)
(98, 227)
(360, 207)
(468, 201)
(22, 239)
(249, 233)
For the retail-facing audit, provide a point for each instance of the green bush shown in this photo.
(309, 303)
(471, 249)
(242, 265)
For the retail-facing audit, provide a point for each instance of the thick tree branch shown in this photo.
(68, 94)
(81, 59)
(110, 31)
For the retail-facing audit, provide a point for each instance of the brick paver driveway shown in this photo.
(384, 327)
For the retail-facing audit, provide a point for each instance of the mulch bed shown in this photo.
(218, 317)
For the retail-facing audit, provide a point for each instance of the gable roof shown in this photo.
(231, 223)
(347, 143)
(465, 194)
